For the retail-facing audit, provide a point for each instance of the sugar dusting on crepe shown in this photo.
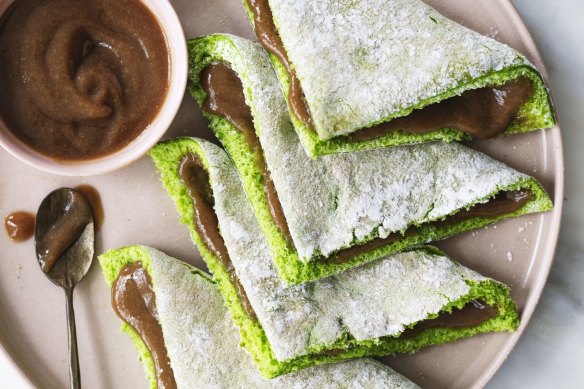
(203, 344)
(360, 61)
(367, 302)
(335, 200)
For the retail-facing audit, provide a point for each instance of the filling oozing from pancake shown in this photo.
(483, 112)
(134, 302)
(225, 99)
(196, 178)
(471, 314)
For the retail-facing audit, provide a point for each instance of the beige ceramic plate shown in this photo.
(32, 310)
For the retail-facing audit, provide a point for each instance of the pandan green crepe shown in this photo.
(365, 311)
(202, 343)
(360, 63)
(377, 201)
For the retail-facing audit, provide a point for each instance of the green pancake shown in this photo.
(202, 344)
(361, 312)
(365, 62)
(346, 200)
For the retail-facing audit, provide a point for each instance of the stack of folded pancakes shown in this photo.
(336, 170)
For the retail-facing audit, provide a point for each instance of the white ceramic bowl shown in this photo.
(171, 27)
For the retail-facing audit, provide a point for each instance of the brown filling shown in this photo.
(81, 79)
(269, 38)
(68, 225)
(471, 315)
(503, 203)
(134, 302)
(19, 225)
(484, 112)
(195, 177)
(225, 98)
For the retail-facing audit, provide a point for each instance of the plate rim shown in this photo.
(558, 201)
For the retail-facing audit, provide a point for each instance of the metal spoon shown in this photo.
(64, 240)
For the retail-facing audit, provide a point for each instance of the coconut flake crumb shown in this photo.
(524, 226)
(493, 32)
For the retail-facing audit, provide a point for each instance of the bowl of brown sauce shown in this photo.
(88, 86)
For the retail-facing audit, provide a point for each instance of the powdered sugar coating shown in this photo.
(336, 200)
(361, 61)
(203, 345)
(367, 302)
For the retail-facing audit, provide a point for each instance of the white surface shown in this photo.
(551, 351)
(549, 354)
(9, 376)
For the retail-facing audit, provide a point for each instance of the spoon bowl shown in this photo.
(65, 246)
(64, 237)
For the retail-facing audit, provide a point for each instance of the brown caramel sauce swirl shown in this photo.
(80, 79)
(225, 99)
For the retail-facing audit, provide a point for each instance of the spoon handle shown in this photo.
(74, 374)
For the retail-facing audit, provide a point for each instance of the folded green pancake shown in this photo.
(363, 74)
(322, 216)
(162, 295)
(396, 304)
